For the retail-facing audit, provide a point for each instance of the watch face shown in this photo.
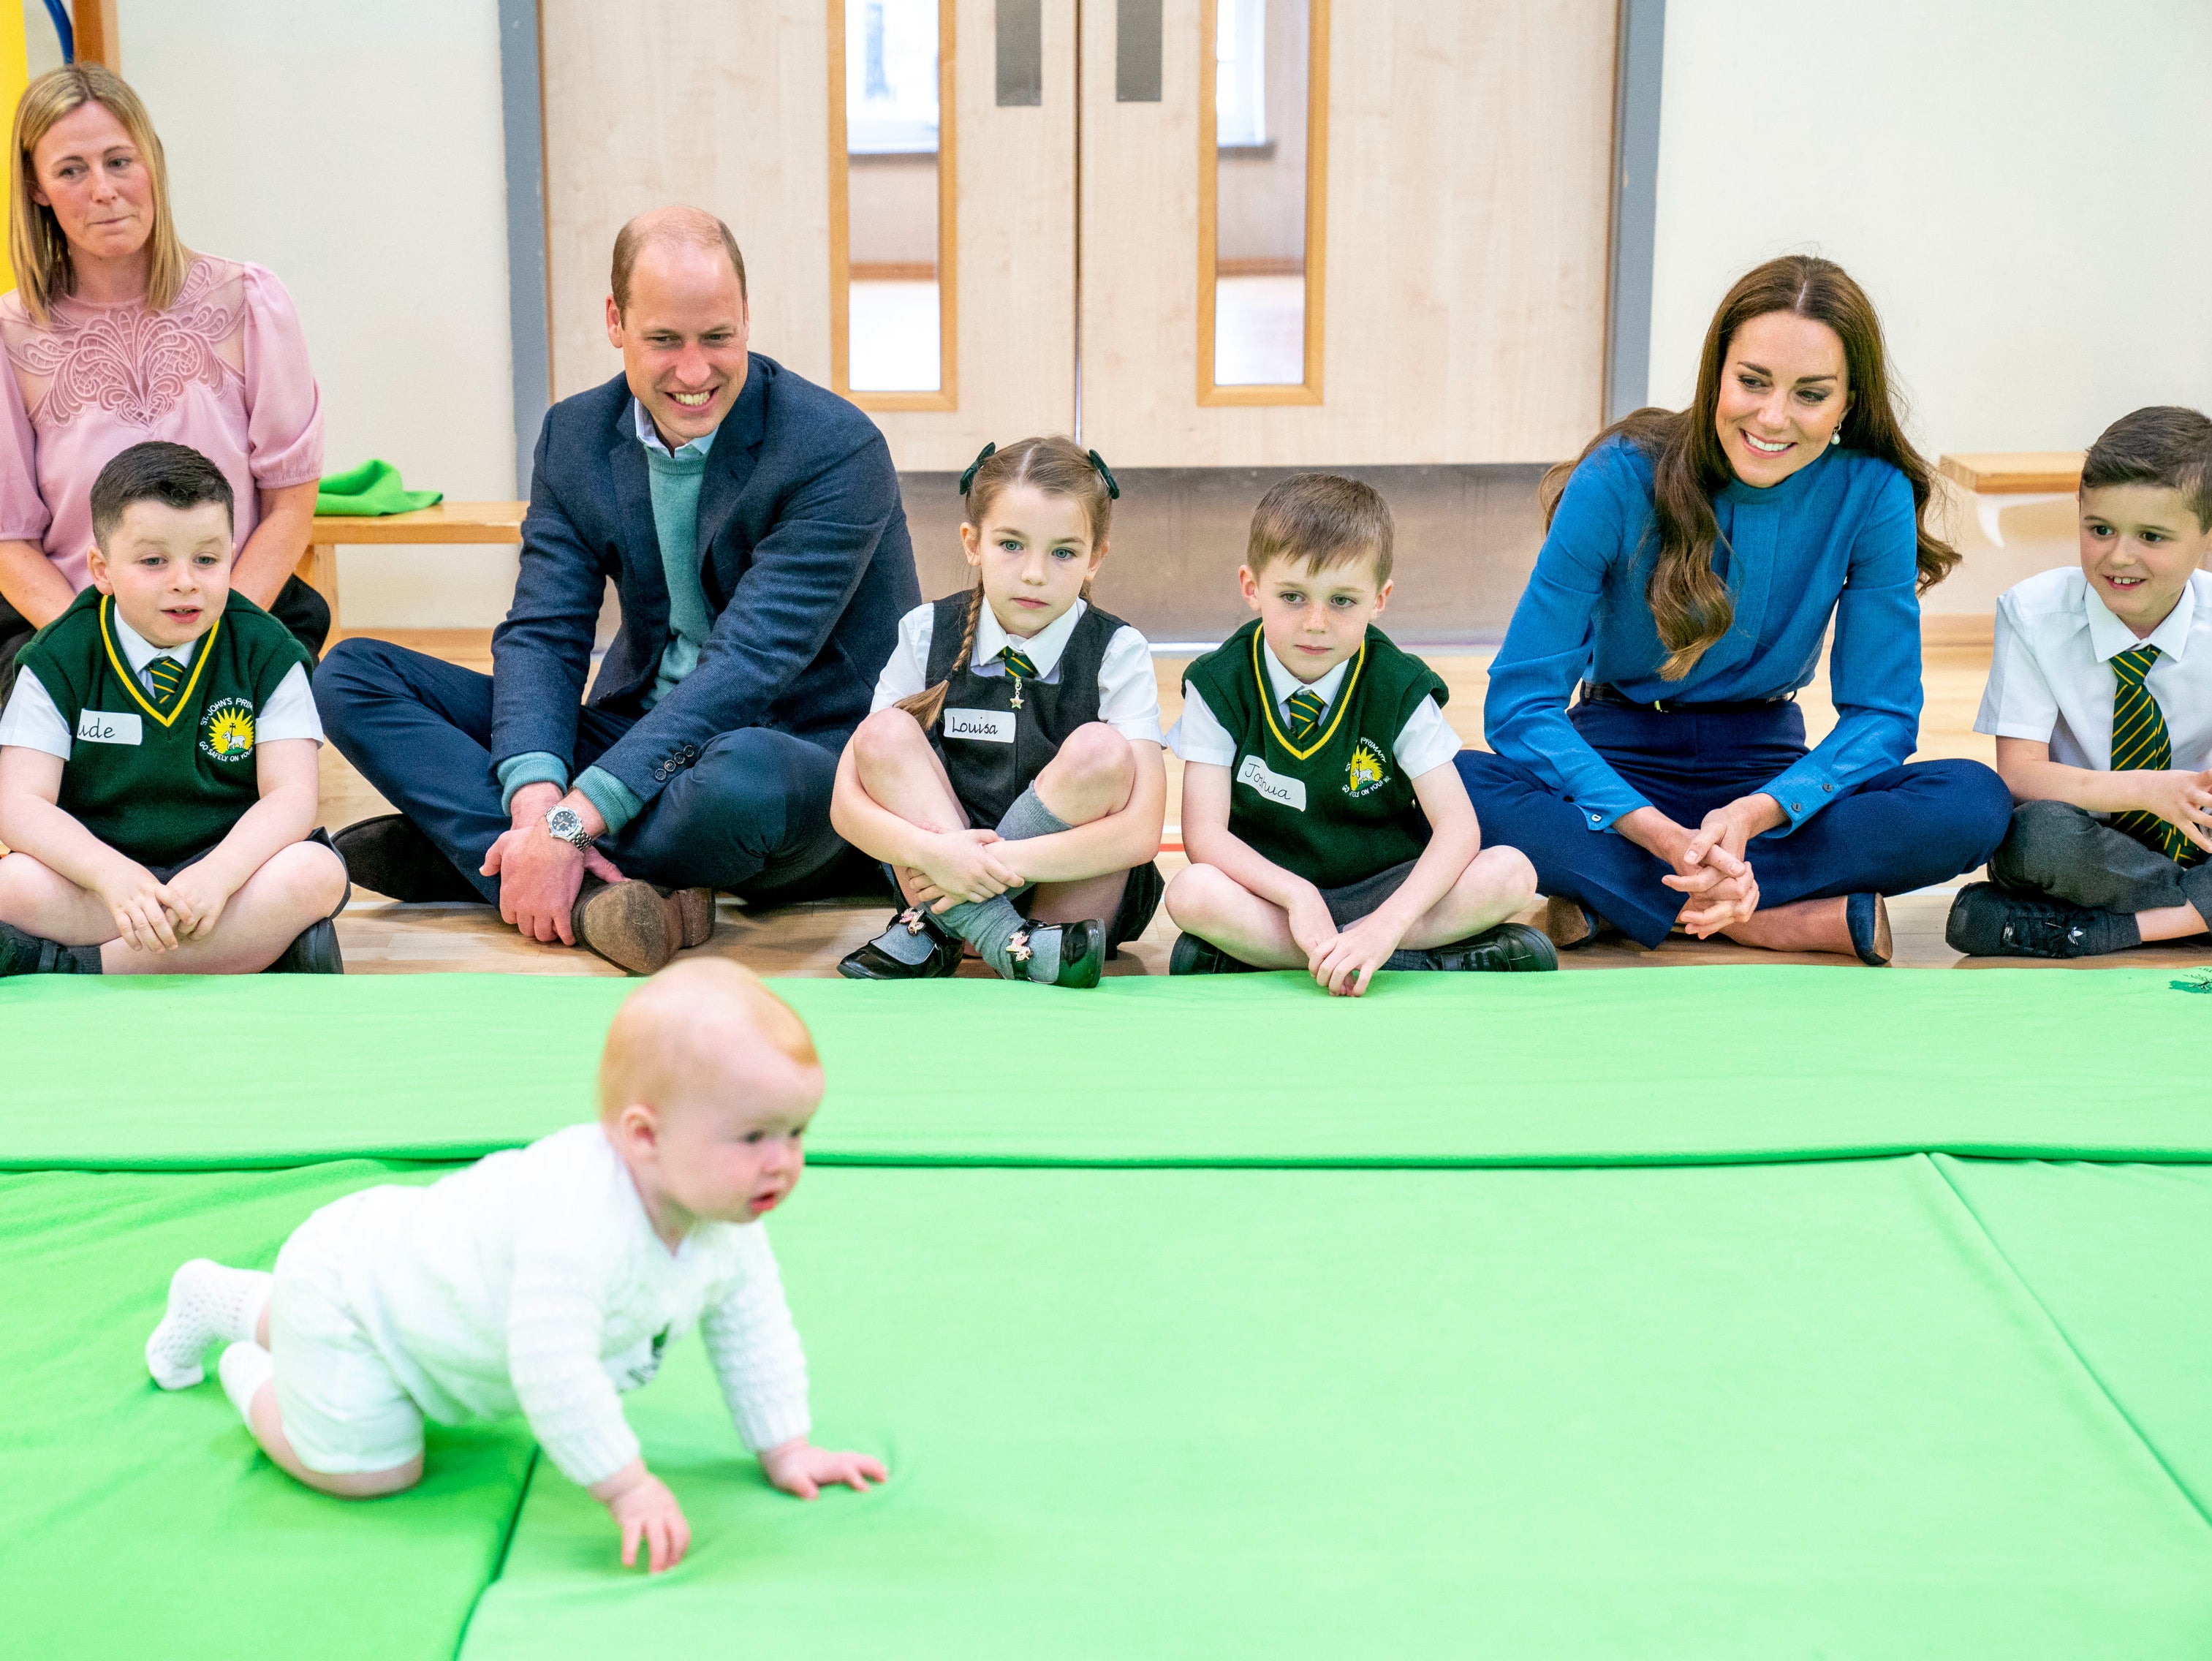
(563, 822)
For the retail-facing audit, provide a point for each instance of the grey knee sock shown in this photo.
(990, 925)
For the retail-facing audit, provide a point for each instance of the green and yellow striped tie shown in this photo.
(167, 674)
(1306, 706)
(2140, 743)
(1019, 663)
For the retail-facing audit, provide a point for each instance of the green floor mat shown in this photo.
(1186, 1416)
(1709, 1064)
(137, 1524)
(2121, 1256)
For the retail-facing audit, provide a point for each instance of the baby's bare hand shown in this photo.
(800, 1469)
(647, 1511)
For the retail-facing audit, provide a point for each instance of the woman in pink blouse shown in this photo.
(116, 332)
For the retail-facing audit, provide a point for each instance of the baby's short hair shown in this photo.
(1322, 520)
(2164, 445)
(683, 1021)
(175, 475)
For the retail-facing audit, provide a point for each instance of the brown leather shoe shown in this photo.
(695, 906)
(627, 923)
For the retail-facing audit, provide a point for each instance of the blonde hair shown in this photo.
(672, 1029)
(1059, 467)
(36, 245)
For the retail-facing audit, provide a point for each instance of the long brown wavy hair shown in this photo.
(1689, 601)
(1055, 465)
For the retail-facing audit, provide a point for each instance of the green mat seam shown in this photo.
(468, 1153)
(506, 1546)
(2066, 1338)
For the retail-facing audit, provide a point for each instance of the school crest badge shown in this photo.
(226, 729)
(1366, 773)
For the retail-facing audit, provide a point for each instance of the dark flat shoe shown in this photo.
(914, 948)
(1869, 925)
(313, 951)
(627, 923)
(1193, 956)
(30, 954)
(1510, 948)
(390, 855)
(1987, 921)
(1569, 925)
(1082, 951)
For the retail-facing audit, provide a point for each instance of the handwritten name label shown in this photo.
(1289, 793)
(984, 726)
(104, 726)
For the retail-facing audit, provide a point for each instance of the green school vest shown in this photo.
(160, 787)
(1337, 810)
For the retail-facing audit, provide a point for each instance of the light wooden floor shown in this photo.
(380, 937)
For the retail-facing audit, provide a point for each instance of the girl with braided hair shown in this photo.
(1009, 776)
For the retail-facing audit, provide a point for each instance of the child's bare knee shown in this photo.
(1094, 753)
(885, 736)
(1194, 894)
(312, 877)
(1506, 868)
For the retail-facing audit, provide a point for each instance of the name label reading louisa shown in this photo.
(984, 726)
(1289, 793)
(106, 726)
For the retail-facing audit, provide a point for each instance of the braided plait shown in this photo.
(926, 705)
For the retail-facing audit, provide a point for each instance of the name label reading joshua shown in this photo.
(984, 726)
(1289, 793)
(106, 727)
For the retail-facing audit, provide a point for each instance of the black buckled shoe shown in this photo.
(1082, 950)
(1193, 956)
(313, 951)
(1987, 921)
(390, 855)
(1510, 948)
(915, 947)
(30, 954)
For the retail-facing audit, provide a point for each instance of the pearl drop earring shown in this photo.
(1835, 437)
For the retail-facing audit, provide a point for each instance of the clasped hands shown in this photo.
(958, 868)
(1712, 870)
(151, 915)
(539, 874)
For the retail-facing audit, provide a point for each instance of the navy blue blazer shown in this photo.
(803, 554)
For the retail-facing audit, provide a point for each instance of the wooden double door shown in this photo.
(987, 218)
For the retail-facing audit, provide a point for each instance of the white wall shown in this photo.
(355, 152)
(2020, 185)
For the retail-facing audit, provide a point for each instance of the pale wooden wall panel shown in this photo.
(726, 109)
(1015, 269)
(1469, 156)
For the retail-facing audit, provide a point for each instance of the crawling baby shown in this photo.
(549, 1279)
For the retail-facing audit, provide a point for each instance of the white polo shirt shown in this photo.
(1424, 744)
(32, 721)
(2051, 673)
(1129, 693)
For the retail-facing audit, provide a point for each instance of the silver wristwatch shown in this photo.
(567, 824)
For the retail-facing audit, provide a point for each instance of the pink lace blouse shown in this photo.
(224, 370)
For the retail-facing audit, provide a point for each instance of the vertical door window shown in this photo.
(892, 202)
(1262, 121)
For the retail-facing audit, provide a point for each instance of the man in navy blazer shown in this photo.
(750, 522)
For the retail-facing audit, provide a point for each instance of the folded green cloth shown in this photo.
(372, 488)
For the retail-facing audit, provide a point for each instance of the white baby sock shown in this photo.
(208, 1304)
(244, 1368)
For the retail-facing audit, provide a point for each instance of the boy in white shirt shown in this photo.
(546, 1279)
(1327, 828)
(2101, 700)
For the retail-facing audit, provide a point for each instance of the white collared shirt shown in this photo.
(31, 721)
(1129, 693)
(649, 435)
(2051, 679)
(1424, 744)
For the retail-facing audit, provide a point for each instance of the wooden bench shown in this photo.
(449, 522)
(1991, 477)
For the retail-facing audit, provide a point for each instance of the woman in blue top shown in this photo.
(1692, 563)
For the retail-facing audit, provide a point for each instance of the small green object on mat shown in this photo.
(1713, 1412)
(1230, 1069)
(371, 490)
(140, 1522)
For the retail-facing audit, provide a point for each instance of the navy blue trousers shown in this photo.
(751, 815)
(1922, 822)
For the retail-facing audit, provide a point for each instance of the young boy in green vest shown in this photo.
(1327, 828)
(158, 756)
